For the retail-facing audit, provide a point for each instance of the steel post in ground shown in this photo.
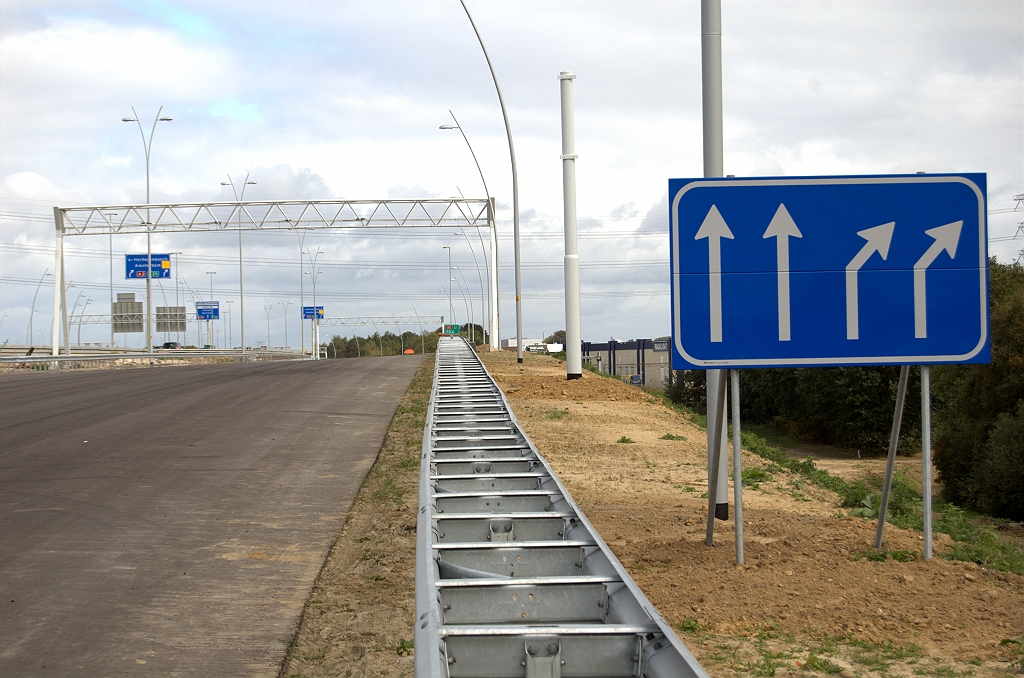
(737, 465)
(926, 457)
(573, 353)
(58, 282)
(890, 462)
(716, 458)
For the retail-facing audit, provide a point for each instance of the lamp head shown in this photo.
(449, 127)
(166, 119)
(225, 183)
(129, 119)
(251, 183)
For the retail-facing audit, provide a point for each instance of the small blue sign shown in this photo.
(207, 310)
(856, 270)
(135, 266)
(309, 312)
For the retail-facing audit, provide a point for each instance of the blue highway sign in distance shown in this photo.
(309, 312)
(856, 270)
(207, 310)
(135, 266)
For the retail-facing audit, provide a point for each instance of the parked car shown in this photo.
(171, 344)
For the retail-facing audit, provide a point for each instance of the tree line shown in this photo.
(391, 343)
(978, 410)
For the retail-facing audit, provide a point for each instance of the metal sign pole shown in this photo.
(58, 283)
(711, 91)
(716, 457)
(737, 465)
(926, 456)
(890, 463)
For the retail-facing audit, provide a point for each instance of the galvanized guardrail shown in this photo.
(119, 360)
(512, 580)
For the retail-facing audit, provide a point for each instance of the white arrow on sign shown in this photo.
(946, 238)
(782, 228)
(878, 240)
(714, 229)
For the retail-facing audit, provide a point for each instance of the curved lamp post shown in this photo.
(515, 190)
(493, 298)
(147, 145)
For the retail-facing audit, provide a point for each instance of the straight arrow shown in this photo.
(946, 238)
(714, 229)
(878, 240)
(782, 227)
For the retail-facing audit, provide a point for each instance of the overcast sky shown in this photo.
(344, 99)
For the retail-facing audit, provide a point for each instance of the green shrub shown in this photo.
(999, 475)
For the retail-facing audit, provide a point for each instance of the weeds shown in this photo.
(404, 647)
(626, 441)
(1015, 650)
(754, 476)
(671, 436)
(816, 663)
(881, 555)
(557, 414)
(693, 627)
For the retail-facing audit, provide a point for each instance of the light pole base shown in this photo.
(573, 376)
(519, 360)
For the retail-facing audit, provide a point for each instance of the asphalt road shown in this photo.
(171, 521)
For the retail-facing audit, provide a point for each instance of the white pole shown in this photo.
(926, 457)
(495, 310)
(711, 86)
(573, 350)
(58, 281)
(737, 465)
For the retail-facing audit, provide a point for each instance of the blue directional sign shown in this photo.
(856, 270)
(207, 310)
(135, 266)
(310, 312)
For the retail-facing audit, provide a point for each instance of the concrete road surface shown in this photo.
(171, 521)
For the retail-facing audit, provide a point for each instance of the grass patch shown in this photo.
(693, 627)
(881, 555)
(671, 436)
(974, 541)
(557, 414)
(816, 663)
(754, 476)
(625, 441)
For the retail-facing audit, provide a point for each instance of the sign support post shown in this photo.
(716, 457)
(890, 462)
(926, 457)
(737, 465)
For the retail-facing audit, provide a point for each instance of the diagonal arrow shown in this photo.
(782, 227)
(946, 238)
(714, 229)
(878, 240)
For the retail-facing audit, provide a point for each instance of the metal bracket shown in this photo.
(543, 658)
(568, 157)
(501, 530)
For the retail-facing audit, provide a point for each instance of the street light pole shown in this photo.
(451, 309)
(239, 197)
(515, 191)
(468, 304)
(315, 326)
(177, 323)
(493, 306)
(209, 323)
(284, 309)
(147, 146)
(265, 308)
(231, 333)
(31, 315)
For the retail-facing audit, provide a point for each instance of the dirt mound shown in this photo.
(807, 595)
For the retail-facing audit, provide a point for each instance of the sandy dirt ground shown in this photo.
(803, 601)
(803, 604)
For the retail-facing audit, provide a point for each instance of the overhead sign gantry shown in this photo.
(259, 215)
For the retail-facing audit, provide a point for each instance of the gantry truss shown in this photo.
(265, 215)
(268, 215)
